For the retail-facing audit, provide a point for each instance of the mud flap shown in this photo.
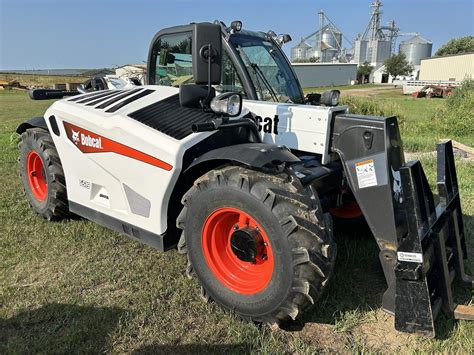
(430, 255)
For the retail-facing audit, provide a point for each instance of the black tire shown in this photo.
(54, 205)
(297, 229)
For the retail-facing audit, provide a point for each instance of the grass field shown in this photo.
(75, 287)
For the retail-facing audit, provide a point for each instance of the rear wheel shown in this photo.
(258, 243)
(348, 216)
(42, 174)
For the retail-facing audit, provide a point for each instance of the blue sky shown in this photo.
(53, 34)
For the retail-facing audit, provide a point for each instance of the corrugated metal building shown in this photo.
(325, 74)
(449, 68)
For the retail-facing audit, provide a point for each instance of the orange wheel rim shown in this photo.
(36, 176)
(347, 211)
(218, 243)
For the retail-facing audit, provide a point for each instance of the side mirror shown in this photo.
(227, 104)
(207, 51)
(192, 96)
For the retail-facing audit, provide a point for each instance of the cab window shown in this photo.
(230, 80)
(173, 64)
(173, 59)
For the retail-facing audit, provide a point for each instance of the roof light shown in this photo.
(285, 38)
(236, 26)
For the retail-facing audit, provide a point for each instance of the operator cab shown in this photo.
(251, 64)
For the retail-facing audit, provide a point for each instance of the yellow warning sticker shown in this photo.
(365, 171)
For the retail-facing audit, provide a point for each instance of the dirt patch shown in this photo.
(368, 92)
(323, 337)
(373, 332)
(378, 333)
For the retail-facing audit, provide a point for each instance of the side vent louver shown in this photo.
(106, 98)
(129, 100)
(83, 96)
(103, 98)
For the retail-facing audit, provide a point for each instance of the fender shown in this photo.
(255, 155)
(35, 122)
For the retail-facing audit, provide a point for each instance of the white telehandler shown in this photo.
(222, 156)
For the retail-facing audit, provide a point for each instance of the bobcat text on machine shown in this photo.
(222, 156)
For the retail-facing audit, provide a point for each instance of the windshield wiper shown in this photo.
(258, 72)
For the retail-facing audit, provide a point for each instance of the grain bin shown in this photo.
(416, 49)
(332, 38)
(300, 52)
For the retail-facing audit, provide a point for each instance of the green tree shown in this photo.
(457, 46)
(364, 70)
(398, 65)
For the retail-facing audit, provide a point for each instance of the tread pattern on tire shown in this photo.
(299, 212)
(57, 205)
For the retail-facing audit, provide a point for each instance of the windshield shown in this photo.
(268, 68)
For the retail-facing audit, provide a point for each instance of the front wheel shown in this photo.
(258, 243)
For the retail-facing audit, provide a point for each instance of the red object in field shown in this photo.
(430, 91)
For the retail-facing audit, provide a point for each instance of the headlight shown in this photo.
(228, 104)
(330, 97)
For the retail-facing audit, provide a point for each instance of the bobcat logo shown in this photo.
(397, 185)
(75, 137)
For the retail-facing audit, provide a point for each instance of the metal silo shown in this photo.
(328, 38)
(332, 38)
(416, 49)
(331, 44)
(300, 52)
(360, 51)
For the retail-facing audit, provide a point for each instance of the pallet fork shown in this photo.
(422, 245)
(430, 255)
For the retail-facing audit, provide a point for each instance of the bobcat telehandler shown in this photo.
(222, 156)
